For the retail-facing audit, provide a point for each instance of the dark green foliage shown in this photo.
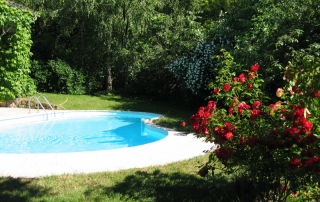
(128, 45)
(117, 40)
(272, 32)
(57, 76)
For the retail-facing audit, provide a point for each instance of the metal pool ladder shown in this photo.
(39, 103)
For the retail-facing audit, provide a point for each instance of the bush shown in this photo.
(275, 146)
(58, 77)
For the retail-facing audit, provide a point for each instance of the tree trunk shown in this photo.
(109, 78)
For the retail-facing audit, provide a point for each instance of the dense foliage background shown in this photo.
(164, 49)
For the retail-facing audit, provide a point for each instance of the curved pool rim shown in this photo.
(113, 130)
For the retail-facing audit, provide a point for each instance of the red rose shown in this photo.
(242, 140)
(305, 124)
(242, 106)
(254, 114)
(183, 123)
(315, 94)
(196, 128)
(242, 78)
(226, 87)
(256, 104)
(255, 68)
(223, 153)
(205, 131)
(211, 105)
(228, 135)
(235, 79)
(195, 119)
(299, 112)
(216, 91)
(295, 163)
(249, 85)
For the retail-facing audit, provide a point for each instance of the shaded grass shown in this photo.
(173, 182)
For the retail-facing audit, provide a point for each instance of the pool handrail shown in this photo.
(39, 103)
(48, 103)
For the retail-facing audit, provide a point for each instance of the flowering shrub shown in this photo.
(275, 145)
(196, 70)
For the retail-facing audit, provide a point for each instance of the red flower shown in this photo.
(229, 126)
(183, 123)
(195, 119)
(231, 108)
(256, 104)
(296, 89)
(211, 105)
(255, 113)
(216, 91)
(299, 111)
(203, 112)
(242, 140)
(235, 79)
(228, 135)
(242, 78)
(311, 164)
(205, 131)
(196, 128)
(314, 94)
(295, 163)
(255, 68)
(305, 124)
(226, 87)
(249, 85)
(242, 106)
(223, 153)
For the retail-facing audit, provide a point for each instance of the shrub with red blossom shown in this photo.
(275, 142)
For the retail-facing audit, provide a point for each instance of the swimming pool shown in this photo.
(77, 132)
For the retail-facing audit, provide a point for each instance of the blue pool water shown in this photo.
(79, 134)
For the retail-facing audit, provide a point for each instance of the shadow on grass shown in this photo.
(159, 186)
(19, 190)
(145, 105)
(173, 114)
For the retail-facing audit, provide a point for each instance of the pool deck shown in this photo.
(175, 147)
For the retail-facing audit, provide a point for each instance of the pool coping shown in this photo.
(177, 146)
